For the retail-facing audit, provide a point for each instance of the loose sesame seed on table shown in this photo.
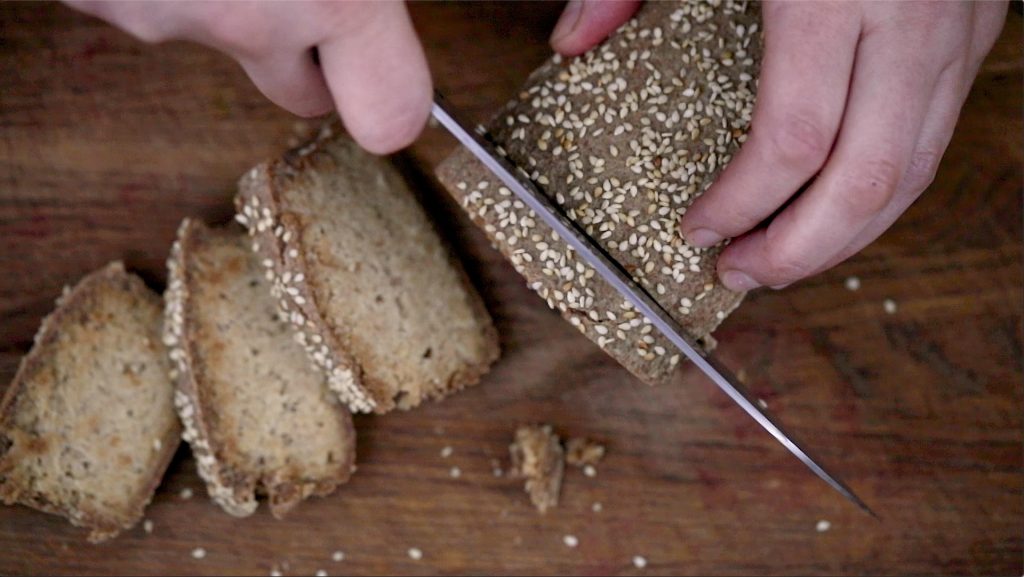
(110, 143)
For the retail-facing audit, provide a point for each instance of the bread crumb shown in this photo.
(455, 472)
(580, 452)
(852, 283)
(147, 526)
(639, 562)
(446, 452)
(199, 553)
(338, 556)
(590, 471)
(570, 541)
(890, 306)
(537, 456)
(597, 507)
(823, 526)
(185, 494)
(415, 554)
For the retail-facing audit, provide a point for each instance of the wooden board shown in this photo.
(107, 143)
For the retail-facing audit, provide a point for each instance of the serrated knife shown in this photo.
(611, 271)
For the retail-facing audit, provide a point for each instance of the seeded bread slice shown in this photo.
(257, 414)
(624, 138)
(87, 427)
(378, 300)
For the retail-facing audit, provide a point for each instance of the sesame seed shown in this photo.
(455, 472)
(597, 507)
(321, 573)
(338, 556)
(823, 526)
(570, 541)
(147, 526)
(185, 494)
(762, 403)
(415, 554)
(275, 573)
(589, 471)
(852, 283)
(639, 562)
(890, 306)
(446, 452)
(199, 553)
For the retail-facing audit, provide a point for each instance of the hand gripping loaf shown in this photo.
(379, 302)
(87, 427)
(257, 414)
(624, 138)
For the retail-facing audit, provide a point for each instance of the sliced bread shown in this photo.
(624, 138)
(257, 414)
(88, 427)
(378, 300)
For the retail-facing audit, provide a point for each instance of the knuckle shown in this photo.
(921, 171)
(240, 33)
(870, 188)
(785, 264)
(800, 141)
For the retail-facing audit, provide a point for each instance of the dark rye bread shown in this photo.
(87, 427)
(257, 414)
(378, 300)
(624, 138)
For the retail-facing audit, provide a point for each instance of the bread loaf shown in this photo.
(88, 427)
(624, 138)
(257, 414)
(378, 300)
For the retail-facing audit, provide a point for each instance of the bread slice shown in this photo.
(87, 427)
(257, 414)
(379, 301)
(624, 138)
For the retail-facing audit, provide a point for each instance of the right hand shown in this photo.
(372, 67)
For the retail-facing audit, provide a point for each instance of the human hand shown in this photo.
(856, 101)
(372, 67)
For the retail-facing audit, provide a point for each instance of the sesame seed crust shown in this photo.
(624, 138)
(240, 503)
(229, 483)
(279, 237)
(276, 241)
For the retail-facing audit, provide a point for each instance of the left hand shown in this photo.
(857, 101)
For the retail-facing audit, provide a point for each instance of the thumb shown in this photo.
(584, 23)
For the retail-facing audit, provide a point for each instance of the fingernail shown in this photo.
(568, 21)
(703, 237)
(738, 281)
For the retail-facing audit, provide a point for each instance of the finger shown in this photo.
(292, 81)
(889, 95)
(805, 75)
(585, 23)
(936, 133)
(378, 75)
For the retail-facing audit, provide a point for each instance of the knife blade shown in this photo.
(612, 271)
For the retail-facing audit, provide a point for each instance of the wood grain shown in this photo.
(107, 143)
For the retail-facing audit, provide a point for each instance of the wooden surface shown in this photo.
(108, 143)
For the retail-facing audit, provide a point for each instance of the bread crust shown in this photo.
(68, 304)
(276, 238)
(641, 161)
(235, 491)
